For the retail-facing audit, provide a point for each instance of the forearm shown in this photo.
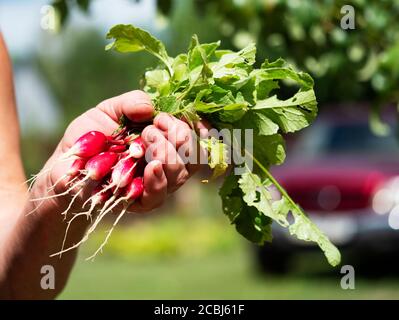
(30, 241)
(10, 158)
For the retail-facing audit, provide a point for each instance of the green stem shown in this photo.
(274, 181)
(165, 62)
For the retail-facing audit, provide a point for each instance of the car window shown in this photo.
(325, 138)
(358, 138)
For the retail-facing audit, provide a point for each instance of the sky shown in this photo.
(20, 20)
(21, 25)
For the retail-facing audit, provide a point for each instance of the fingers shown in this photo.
(136, 105)
(159, 148)
(202, 128)
(155, 188)
(180, 135)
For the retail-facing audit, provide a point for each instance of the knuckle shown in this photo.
(139, 94)
(149, 133)
(182, 178)
(183, 125)
(183, 136)
(158, 187)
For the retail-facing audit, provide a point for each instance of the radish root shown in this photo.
(108, 234)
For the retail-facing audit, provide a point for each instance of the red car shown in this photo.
(347, 179)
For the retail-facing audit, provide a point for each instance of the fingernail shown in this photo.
(158, 170)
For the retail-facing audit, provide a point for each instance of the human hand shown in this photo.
(165, 171)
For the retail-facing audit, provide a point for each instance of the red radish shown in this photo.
(117, 148)
(137, 148)
(132, 192)
(135, 189)
(81, 148)
(100, 165)
(123, 172)
(88, 145)
(117, 163)
(111, 140)
(77, 166)
(75, 169)
(100, 196)
(96, 169)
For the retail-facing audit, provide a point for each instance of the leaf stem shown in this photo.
(274, 181)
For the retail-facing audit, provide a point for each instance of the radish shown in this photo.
(112, 161)
(100, 165)
(133, 191)
(96, 169)
(117, 148)
(137, 148)
(88, 145)
(123, 172)
(122, 175)
(77, 166)
(115, 141)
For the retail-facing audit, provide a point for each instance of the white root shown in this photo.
(34, 177)
(51, 188)
(36, 208)
(108, 233)
(71, 203)
(85, 213)
(65, 192)
(43, 201)
(107, 203)
(91, 229)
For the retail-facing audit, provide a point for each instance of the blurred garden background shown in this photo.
(187, 249)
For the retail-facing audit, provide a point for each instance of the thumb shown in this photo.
(136, 105)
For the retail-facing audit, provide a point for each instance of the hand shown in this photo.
(167, 135)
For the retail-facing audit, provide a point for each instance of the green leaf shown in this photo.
(256, 194)
(279, 70)
(128, 38)
(222, 87)
(253, 225)
(217, 155)
(292, 114)
(249, 222)
(259, 122)
(168, 104)
(269, 149)
(180, 68)
(158, 80)
(200, 53)
(306, 230)
(230, 58)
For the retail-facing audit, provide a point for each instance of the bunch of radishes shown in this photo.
(116, 163)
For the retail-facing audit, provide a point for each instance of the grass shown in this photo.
(216, 276)
(196, 255)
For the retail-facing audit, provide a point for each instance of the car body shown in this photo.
(347, 180)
